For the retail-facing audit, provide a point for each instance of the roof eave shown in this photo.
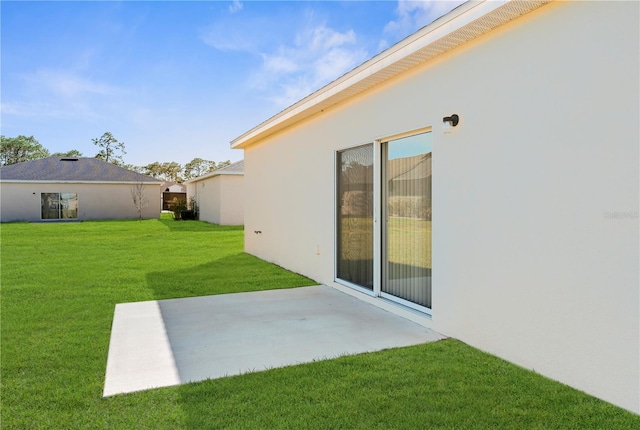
(461, 25)
(213, 174)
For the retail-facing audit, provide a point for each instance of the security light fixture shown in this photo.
(451, 121)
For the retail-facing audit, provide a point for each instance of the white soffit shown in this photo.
(464, 23)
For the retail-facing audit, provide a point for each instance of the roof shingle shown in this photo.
(237, 167)
(81, 169)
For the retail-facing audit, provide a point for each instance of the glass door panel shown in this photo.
(68, 205)
(355, 216)
(407, 210)
(50, 205)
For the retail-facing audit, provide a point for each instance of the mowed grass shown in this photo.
(60, 283)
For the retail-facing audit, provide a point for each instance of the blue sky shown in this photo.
(179, 80)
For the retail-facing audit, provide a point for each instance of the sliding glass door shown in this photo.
(59, 205)
(406, 205)
(387, 181)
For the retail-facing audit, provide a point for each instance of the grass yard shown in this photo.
(60, 283)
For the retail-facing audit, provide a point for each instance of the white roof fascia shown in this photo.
(462, 24)
(211, 175)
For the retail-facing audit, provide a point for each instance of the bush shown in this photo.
(179, 206)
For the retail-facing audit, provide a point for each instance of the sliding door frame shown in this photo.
(379, 188)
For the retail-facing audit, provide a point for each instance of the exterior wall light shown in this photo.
(450, 121)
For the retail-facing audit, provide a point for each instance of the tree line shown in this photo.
(25, 148)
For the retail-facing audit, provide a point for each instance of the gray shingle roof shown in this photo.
(237, 167)
(83, 169)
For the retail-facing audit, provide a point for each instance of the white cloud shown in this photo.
(235, 6)
(322, 38)
(244, 34)
(279, 64)
(295, 59)
(49, 109)
(66, 84)
(299, 60)
(413, 15)
(60, 94)
(317, 56)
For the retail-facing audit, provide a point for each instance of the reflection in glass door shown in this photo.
(354, 217)
(406, 236)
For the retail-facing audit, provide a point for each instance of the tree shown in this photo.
(172, 171)
(140, 201)
(134, 168)
(167, 171)
(18, 149)
(198, 167)
(153, 169)
(111, 150)
(223, 164)
(71, 153)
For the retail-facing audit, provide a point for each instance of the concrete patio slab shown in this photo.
(170, 342)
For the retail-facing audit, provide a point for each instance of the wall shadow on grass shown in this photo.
(196, 226)
(235, 273)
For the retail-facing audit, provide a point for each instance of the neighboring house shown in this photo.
(171, 191)
(55, 188)
(220, 195)
(529, 247)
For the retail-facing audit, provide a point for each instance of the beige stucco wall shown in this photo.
(220, 198)
(535, 193)
(21, 201)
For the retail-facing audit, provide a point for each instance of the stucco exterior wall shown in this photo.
(220, 199)
(535, 193)
(232, 199)
(21, 201)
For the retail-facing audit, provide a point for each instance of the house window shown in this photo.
(59, 205)
(355, 216)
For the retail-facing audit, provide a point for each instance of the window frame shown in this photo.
(62, 198)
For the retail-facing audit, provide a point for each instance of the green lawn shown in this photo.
(60, 283)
